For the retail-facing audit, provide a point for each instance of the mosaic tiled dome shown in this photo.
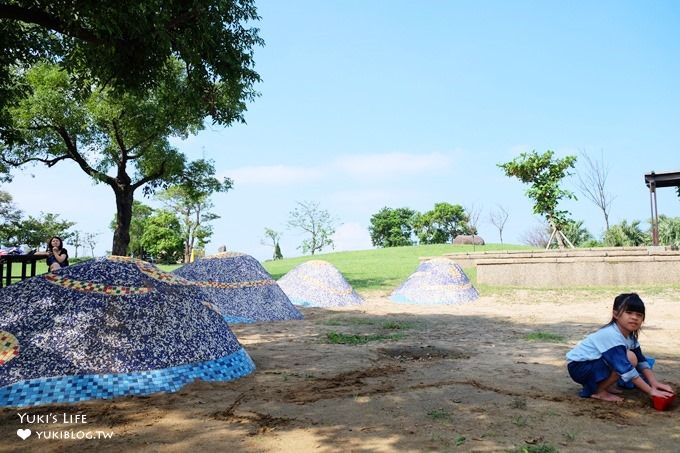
(436, 281)
(318, 283)
(110, 327)
(241, 289)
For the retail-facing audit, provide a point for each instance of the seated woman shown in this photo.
(57, 255)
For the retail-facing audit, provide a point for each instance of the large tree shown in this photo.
(130, 75)
(117, 139)
(131, 44)
(139, 216)
(189, 198)
(393, 227)
(544, 173)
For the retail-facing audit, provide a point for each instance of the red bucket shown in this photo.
(661, 403)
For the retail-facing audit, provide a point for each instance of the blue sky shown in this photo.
(375, 103)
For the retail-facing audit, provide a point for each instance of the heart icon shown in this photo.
(23, 433)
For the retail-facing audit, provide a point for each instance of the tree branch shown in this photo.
(49, 162)
(79, 159)
(45, 20)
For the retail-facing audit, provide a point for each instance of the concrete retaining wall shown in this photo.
(621, 266)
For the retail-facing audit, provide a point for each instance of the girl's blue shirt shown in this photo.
(611, 345)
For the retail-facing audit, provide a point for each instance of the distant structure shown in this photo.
(221, 249)
(436, 281)
(654, 180)
(317, 283)
(469, 239)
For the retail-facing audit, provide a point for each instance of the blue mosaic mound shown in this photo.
(240, 288)
(110, 327)
(436, 281)
(318, 283)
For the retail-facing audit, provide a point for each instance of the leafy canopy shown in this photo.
(392, 227)
(543, 173)
(442, 224)
(189, 199)
(119, 139)
(130, 45)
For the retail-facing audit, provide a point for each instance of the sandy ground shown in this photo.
(461, 378)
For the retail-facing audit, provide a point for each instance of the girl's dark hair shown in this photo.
(628, 302)
(49, 242)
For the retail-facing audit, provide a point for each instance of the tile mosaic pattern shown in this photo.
(67, 331)
(436, 281)
(9, 347)
(95, 287)
(317, 283)
(71, 389)
(240, 287)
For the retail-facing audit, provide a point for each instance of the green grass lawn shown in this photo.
(40, 267)
(365, 270)
(384, 268)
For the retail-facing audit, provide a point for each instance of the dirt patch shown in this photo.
(487, 375)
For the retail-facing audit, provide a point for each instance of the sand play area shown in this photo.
(486, 375)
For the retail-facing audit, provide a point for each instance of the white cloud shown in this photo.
(519, 149)
(393, 165)
(351, 236)
(274, 175)
(375, 197)
(389, 165)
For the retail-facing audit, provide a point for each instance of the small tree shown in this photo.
(77, 242)
(669, 230)
(189, 198)
(591, 183)
(498, 217)
(274, 237)
(316, 222)
(442, 224)
(577, 233)
(393, 227)
(472, 212)
(36, 231)
(544, 174)
(537, 236)
(626, 234)
(163, 237)
(91, 240)
(10, 217)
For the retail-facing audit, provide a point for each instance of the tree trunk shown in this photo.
(557, 235)
(121, 235)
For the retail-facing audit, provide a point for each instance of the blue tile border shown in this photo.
(238, 320)
(71, 389)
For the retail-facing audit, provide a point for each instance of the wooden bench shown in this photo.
(28, 267)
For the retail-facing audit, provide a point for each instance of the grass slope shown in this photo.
(383, 268)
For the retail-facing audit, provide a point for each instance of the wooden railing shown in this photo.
(28, 267)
